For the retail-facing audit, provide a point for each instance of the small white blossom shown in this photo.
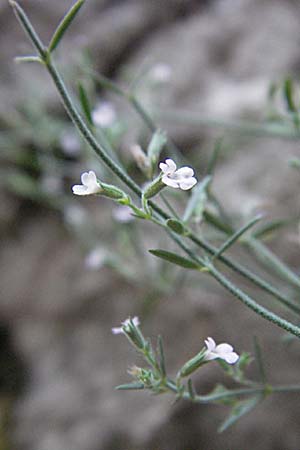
(123, 214)
(95, 259)
(70, 144)
(89, 186)
(222, 351)
(119, 330)
(104, 115)
(161, 73)
(182, 178)
(75, 215)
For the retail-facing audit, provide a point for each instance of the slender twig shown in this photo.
(101, 151)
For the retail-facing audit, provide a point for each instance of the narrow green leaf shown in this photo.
(270, 260)
(214, 157)
(64, 25)
(176, 259)
(259, 360)
(197, 200)
(175, 226)
(130, 387)
(28, 59)
(27, 25)
(215, 221)
(264, 231)
(161, 356)
(289, 95)
(240, 409)
(191, 389)
(85, 104)
(295, 163)
(236, 236)
(156, 146)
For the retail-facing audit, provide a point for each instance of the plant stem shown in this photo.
(102, 152)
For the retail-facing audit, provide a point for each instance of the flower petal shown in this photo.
(117, 330)
(185, 172)
(85, 178)
(169, 182)
(92, 179)
(231, 358)
(224, 348)
(78, 189)
(187, 183)
(171, 164)
(210, 344)
(168, 167)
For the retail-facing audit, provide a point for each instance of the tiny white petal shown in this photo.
(224, 348)
(222, 351)
(187, 183)
(163, 167)
(231, 358)
(78, 189)
(181, 178)
(210, 344)
(170, 182)
(89, 185)
(185, 172)
(119, 330)
(171, 164)
(104, 114)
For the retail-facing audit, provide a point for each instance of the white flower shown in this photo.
(221, 351)
(89, 186)
(95, 259)
(119, 330)
(104, 115)
(70, 144)
(182, 178)
(161, 73)
(123, 214)
(75, 215)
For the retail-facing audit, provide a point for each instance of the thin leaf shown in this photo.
(236, 236)
(28, 59)
(263, 232)
(191, 389)
(64, 25)
(156, 146)
(196, 203)
(175, 259)
(214, 157)
(295, 163)
(217, 223)
(239, 410)
(85, 104)
(161, 356)
(175, 226)
(270, 260)
(259, 360)
(130, 387)
(289, 95)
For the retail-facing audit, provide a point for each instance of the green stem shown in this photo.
(103, 154)
(239, 294)
(234, 393)
(248, 301)
(251, 128)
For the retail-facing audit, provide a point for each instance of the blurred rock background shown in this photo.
(59, 360)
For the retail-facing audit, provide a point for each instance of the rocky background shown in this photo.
(59, 360)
